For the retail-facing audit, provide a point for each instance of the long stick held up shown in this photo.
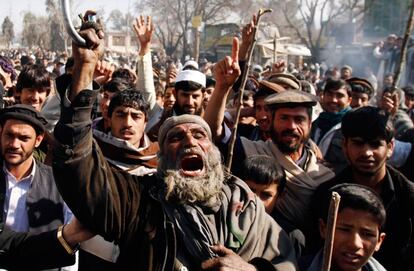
(404, 47)
(242, 86)
(330, 231)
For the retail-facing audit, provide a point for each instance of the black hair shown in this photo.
(306, 86)
(246, 95)
(335, 84)
(69, 63)
(129, 98)
(408, 91)
(116, 85)
(124, 74)
(187, 86)
(210, 82)
(262, 92)
(356, 197)
(369, 123)
(263, 169)
(33, 76)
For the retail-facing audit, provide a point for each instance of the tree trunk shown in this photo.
(196, 49)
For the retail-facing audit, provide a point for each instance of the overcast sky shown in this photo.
(16, 8)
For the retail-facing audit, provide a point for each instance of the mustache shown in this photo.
(191, 150)
(290, 133)
(12, 151)
(129, 130)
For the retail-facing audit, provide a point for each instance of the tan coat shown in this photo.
(300, 184)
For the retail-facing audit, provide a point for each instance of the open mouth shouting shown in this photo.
(191, 165)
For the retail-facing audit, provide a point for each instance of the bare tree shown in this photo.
(172, 19)
(59, 37)
(34, 31)
(310, 19)
(118, 20)
(8, 30)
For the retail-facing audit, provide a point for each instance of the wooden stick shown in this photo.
(403, 53)
(242, 86)
(330, 231)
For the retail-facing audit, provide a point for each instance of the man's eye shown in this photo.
(175, 138)
(266, 196)
(198, 135)
(343, 229)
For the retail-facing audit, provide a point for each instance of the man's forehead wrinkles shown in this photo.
(186, 128)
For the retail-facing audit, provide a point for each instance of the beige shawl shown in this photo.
(295, 201)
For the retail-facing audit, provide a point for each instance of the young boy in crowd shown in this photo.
(267, 180)
(358, 231)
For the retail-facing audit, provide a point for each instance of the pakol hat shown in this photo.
(26, 113)
(362, 82)
(291, 98)
(288, 81)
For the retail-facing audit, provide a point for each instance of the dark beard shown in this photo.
(180, 111)
(285, 148)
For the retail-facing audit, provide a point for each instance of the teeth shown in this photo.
(352, 256)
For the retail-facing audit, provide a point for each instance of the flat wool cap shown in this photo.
(288, 81)
(193, 76)
(26, 113)
(270, 87)
(362, 82)
(291, 98)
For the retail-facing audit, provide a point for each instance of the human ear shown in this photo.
(381, 238)
(39, 139)
(390, 148)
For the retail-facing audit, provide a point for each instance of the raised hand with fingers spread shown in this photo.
(143, 29)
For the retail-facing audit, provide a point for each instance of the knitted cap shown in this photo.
(177, 120)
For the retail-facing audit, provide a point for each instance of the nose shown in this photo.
(14, 143)
(189, 140)
(128, 121)
(189, 100)
(367, 150)
(291, 124)
(35, 96)
(355, 241)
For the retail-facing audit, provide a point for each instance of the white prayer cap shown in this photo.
(193, 76)
(190, 64)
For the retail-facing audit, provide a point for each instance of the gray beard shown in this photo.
(204, 190)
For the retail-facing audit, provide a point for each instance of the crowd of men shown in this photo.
(109, 168)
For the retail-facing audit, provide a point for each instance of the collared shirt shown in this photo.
(15, 200)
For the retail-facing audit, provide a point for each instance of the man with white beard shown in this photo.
(190, 216)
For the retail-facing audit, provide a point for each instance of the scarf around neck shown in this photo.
(327, 120)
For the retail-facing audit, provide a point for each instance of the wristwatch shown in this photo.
(63, 242)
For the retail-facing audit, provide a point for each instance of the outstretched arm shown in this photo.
(226, 73)
(106, 202)
(143, 29)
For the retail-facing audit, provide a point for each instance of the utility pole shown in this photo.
(196, 24)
